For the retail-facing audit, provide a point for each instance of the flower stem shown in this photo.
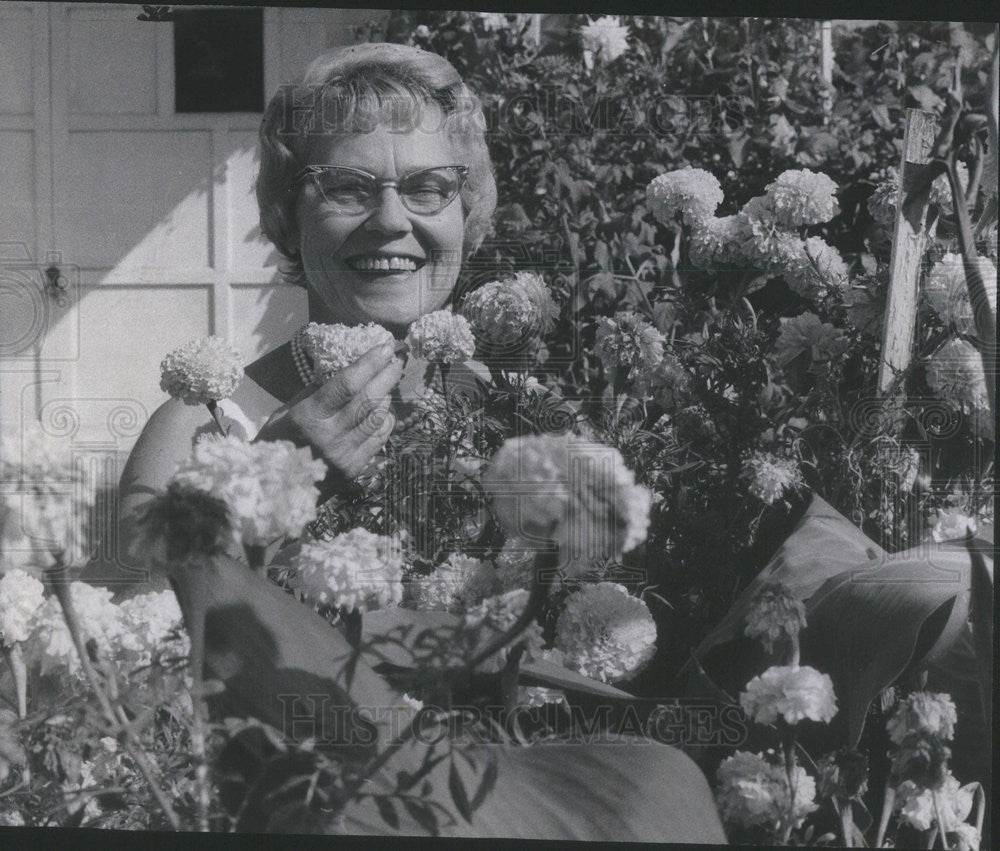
(888, 799)
(20, 674)
(788, 751)
(216, 412)
(939, 816)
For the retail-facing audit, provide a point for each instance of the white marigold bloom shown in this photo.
(458, 583)
(827, 271)
(493, 21)
(48, 500)
(510, 311)
(948, 295)
(802, 197)
(719, 240)
(692, 192)
(769, 476)
(754, 792)
(21, 596)
(950, 524)
(333, 347)
(50, 641)
(269, 486)
(153, 621)
(955, 373)
(915, 804)
(201, 371)
(606, 37)
(923, 712)
(806, 332)
(441, 336)
(795, 692)
(499, 613)
(356, 570)
(941, 187)
(966, 837)
(774, 613)
(563, 489)
(605, 633)
(628, 340)
(882, 202)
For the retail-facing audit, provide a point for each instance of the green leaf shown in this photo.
(458, 794)
(486, 784)
(387, 811)
(542, 672)
(423, 815)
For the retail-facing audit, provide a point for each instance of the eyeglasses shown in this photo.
(352, 191)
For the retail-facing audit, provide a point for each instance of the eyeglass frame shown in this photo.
(317, 169)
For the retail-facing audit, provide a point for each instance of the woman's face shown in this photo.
(338, 249)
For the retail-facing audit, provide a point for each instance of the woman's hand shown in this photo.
(346, 419)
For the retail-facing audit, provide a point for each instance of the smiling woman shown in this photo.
(375, 184)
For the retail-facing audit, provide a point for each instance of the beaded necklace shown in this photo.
(301, 359)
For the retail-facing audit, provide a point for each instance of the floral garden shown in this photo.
(655, 550)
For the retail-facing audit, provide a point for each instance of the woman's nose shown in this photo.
(389, 215)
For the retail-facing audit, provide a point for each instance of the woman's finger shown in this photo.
(373, 420)
(371, 445)
(336, 392)
(375, 393)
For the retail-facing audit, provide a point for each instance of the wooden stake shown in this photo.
(908, 245)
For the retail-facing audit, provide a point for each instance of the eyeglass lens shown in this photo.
(426, 191)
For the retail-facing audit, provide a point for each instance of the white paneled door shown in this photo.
(125, 228)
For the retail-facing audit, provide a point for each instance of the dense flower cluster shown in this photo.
(598, 511)
(268, 486)
(333, 347)
(456, 584)
(955, 373)
(605, 633)
(692, 192)
(773, 614)
(606, 37)
(357, 570)
(441, 336)
(628, 340)
(916, 804)
(796, 693)
(667, 383)
(719, 240)
(50, 642)
(948, 294)
(754, 792)
(504, 313)
(21, 596)
(769, 476)
(47, 508)
(152, 621)
(201, 371)
(496, 615)
(802, 197)
(923, 713)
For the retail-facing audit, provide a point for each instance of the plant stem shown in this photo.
(788, 751)
(216, 412)
(20, 674)
(936, 796)
(888, 799)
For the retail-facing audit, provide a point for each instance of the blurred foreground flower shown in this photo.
(754, 792)
(563, 489)
(692, 192)
(357, 571)
(916, 804)
(605, 633)
(441, 336)
(21, 596)
(796, 693)
(333, 347)
(923, 713)
(268, 486)
(947, 293)
(201, 371)
(955, 373)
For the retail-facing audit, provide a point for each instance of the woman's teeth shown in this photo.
(383, 264)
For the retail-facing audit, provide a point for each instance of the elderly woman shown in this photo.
(375, 184)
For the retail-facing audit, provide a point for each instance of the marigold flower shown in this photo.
(333, 347)
(515, 564)
(925, 713)
(21, 596)
(606, 37)
(597, 512)
(719, 240)
(795, 692)
(882, 202)
(201, 371)
(915, 804)
(505, 313)
(806, 332)
(456, 584)
(769, 476)
(951, 524)
(666, 382)
(493, 21)
(802, 197)
(843, 774)
(966, 837)
(628, 340)
(441, 336)
(774, 613)
(605, 633)
(692, 192)
(356, 570)
(268, 486)
(152, 621)
(495, 615)
(955, 373)
(754, 792)
(948, 294)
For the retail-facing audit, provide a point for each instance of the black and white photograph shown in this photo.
(498, 424)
